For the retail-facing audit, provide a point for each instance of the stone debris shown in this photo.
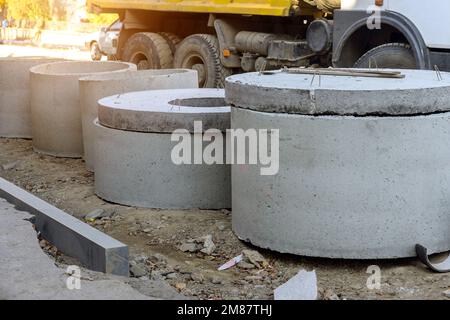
(203, 244)
(10, 166)
(303, 286)
(446, 293)
(98, 214)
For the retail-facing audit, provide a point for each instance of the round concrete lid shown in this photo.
(419, 92)
(164, 111)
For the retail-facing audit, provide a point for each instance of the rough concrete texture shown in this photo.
(165, 110)
(136, 169)
(347, 187)
(96, 250)
(93, 88)
(420, 92)
(55, 107)
(26, 272)
(15, 114)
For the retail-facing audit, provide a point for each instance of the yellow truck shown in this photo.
(221, 37)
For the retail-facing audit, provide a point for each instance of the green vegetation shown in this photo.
(33, 10)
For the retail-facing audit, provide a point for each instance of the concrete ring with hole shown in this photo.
(134, 150)
(353, 187)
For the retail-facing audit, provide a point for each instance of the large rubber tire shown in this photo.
(172, 39)
(148, 51)
(391, 55)
(201, 52)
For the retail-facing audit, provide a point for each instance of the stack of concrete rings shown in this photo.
(134, 150)
(15, 113)
(95, 87)
(364, 164)
(55, 107)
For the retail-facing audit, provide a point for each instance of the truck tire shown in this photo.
(148, 51)
(391, 55)
(172, 39)
(201, 52)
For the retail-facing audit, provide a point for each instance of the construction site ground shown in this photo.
(156, 239)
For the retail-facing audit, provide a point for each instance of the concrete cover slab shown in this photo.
(163, 111)
(420, 92)
(15, 113)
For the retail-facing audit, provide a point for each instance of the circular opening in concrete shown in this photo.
(79, 67)
(199, 102)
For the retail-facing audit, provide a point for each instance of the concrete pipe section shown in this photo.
(364, 164)
(15, 114)
(93, 88)
(138, 162)
(55, 107)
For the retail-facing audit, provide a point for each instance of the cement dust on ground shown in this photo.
(158, 234)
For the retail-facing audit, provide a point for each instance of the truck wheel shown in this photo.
(201, 52)
(391, 55)
(172, 39)
(96, 55)
(148, 51)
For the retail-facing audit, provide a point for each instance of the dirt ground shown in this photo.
(158, 234)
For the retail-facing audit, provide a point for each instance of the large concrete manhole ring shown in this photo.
(55, 107)
(356, 187)
(96, 87)
(134, 148)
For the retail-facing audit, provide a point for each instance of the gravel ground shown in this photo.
(160, 241)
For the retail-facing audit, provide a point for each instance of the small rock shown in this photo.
(147, 230)
(245, 265)
(157, 258)
(172, 275)
(329, 294)
(138, 270)
(43, 243)
(188, 247)
(180, 286)
(197, 277)
(96, 214)
(255, 258)
(156, 275)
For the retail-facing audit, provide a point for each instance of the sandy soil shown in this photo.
(69, 186)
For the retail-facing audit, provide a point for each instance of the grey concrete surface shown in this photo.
(55, 107)
(347, 187)
(94, 88)
(26, 272)
(96, 250)
(136, 169)
(15, 113)
(164, 111)
(420, 92)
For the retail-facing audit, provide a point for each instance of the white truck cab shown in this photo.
(411, 31)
